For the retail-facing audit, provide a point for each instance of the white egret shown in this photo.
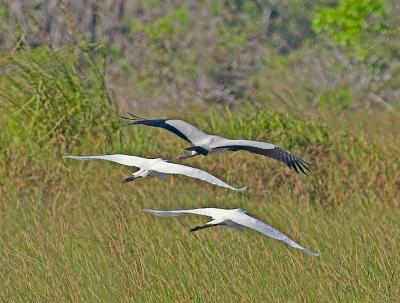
(237, 218)
(205, 144)
(157, 168)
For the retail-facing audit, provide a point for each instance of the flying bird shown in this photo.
(157, 168)
(237, 218)
(205, 144)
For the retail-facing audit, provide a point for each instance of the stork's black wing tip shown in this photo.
(301, 168)
(133, 119)
(306, 165)
(294, 165)
(298, 164)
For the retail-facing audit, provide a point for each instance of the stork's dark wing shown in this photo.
(266, 149)
(180, 128)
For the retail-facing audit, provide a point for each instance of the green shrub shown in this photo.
(52, 101)
(335, 99)
(353, 23)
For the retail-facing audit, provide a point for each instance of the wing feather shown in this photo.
(118, 158)
(172, 168)
(209, 212)
(253, 223)
(266, 149)
(182, 129)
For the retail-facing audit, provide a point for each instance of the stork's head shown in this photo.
(193, 151)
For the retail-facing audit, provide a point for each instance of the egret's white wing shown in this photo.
(183, 129)
(250, 222)
(118, 158)
(209, 212)
(266, 149)
(172, 168)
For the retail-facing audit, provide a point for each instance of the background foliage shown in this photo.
(318, 77)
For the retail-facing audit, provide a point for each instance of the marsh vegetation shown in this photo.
(243, 69)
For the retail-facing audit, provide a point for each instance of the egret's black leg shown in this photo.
(196, 228)
(129, 179)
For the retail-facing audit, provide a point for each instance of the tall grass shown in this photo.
(71, 231)
(53, 99)
(86, 239)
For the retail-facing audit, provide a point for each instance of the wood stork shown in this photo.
(157, 168)
(205, 144)
(237, 218)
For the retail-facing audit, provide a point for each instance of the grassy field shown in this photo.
(71, 231)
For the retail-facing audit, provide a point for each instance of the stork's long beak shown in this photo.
(182, 157)
(187, 156)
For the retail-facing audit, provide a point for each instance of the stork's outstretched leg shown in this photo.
(141, 173)
(130, 179)
(196, 228)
